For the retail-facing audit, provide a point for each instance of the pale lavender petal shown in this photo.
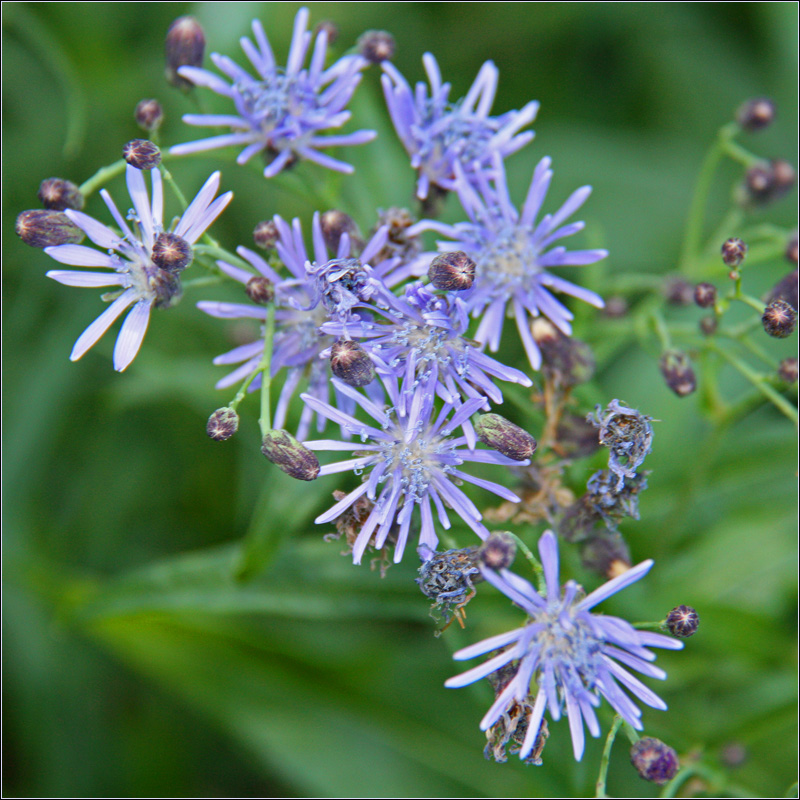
(91, 335)
(69, 278)
(131, 335)
(77, 255)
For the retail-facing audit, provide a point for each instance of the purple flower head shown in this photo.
(420, 341)
(438, 134)
(412, 461)
(283, 110)
(145, 277)
(298, 342)
(571, 654)
(513, 254)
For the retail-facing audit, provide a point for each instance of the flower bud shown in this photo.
(149, 115)
(260, 290)
(733, 252)
(678, 291)
(44, 228)
(330, 28)
(334, 223)
(616, 307)
(184, 47)
(565, 360)
(708, 326)
(452, 272)
(705, 295)
(606, 554)
(376, 46)
(222, 424)
(350, 363)
(171, 252)
(58, 194)
(505, 437)
(756, 114)
(791, 249)
(786, 290)
(498, 551)
(768, 181)
(265, 234)
(142, 154)
(779, 319)
(654, 761)
(678, 373)
(683, 621)
(787, 370)
(286, 453)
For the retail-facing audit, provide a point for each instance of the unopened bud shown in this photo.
(769, 181)
(350, 363)
(505, 437)
(334, 223)
(498, 551)
(756, 114)
(678, 291)
(142, 154)
(376, 46)
(616, 307)
(787, 370)
(678, 373)
(222, 424)
(708, 326)
(286, 453)
(683, 621)
(606, 554)
(44, 228)
(171, 252)
(330, 28)
(184, 47)
(779, 319)
(733, 252)
(57, 194)
(452, 272)
(266, 234)
(149, 115)
(654, 761)
(705, 295)
(260, 290)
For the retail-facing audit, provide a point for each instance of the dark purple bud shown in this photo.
(498, 551)
(44, 228)
(184, 47)
(149, 115)
(768, 181)
(756, 114)
(286, 453)
(708, 326)
(505, 437)
(142, 154)
(452, 272)
(350, 363)
(678, 291)
(654, 761)
(57, 194)
(678, 373)
(787, 370)
(222, 424)
(733, 252)
(260, 290)
(786, 290)
(376, 46)
(334, 223)
(779, 319)
(683, 621)
(705, 295)
(171, 252)
(166, 285)
(265, 234)
(330, 28)
(606, 554)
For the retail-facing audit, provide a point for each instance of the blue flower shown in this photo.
(415, 464)
(144, 278)
(572, 655)
(438, 135)
(283, 111)
(513, 254)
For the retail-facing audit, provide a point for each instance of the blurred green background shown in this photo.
(133, 662)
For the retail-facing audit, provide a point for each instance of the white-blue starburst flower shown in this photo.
(283, 111)
(567, 656)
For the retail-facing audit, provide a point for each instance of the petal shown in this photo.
(131, 335)
(90, 336)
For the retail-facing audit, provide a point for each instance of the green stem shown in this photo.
(208, 280)
(102, 176)
(214, 251)
(176, 190)
(265, 420)
(600, 786)
(538, 571)
(740, 154)
(650, 626)
(661, 330)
